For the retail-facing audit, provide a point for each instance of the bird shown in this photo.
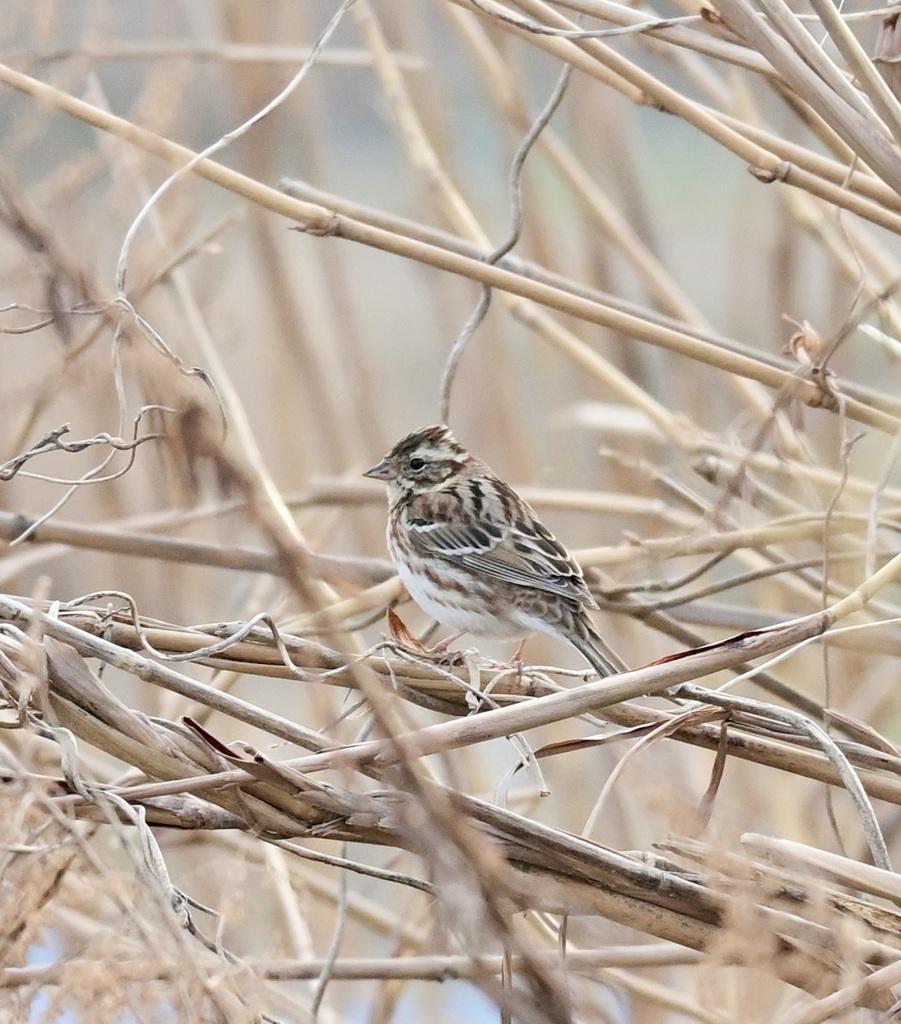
(475, 556)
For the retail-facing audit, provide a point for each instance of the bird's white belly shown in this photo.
(462, 610)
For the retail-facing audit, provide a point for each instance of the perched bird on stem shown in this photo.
(475, 556)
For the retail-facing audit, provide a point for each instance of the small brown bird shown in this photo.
(475, 556)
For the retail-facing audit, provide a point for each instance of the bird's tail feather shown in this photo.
(603, 659)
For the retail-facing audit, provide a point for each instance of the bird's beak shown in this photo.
(383, 471)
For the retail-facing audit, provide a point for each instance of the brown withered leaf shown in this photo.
(402, 636)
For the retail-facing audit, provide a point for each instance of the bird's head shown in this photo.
(422, 461)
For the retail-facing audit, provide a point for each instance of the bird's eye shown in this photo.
(417, 464)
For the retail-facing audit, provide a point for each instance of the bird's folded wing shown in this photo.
(505, 554)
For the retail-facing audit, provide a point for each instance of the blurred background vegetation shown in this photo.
(689, 369)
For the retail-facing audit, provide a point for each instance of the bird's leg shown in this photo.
(441, 647)
(515, 662)
(517, 658)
